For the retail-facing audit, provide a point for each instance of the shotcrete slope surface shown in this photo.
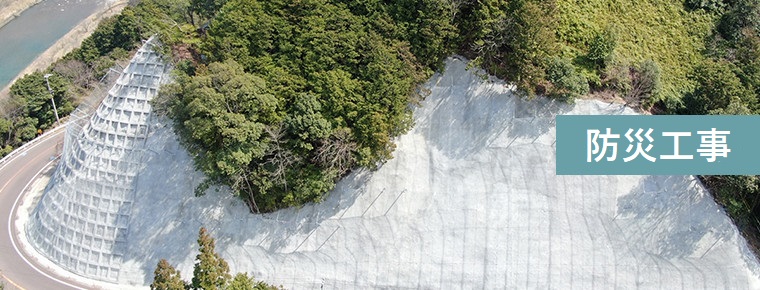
(470, 199)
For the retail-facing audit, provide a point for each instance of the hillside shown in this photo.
(663, 31)
(470, 199)
(309, 115)
(330, 84)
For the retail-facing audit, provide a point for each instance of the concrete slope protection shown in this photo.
(470, 200)
(81, 222)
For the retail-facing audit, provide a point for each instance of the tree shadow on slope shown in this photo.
(672, 217)
(463, 116)
(467, 113)
(224, 215)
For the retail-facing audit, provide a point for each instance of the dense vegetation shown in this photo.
(606, 42)
(29, 110)
(639, 51)
(285, 98)
(329, 82)
(278, 99)
(728, 82)
(211, 272)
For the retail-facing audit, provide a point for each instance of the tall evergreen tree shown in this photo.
(166, 277)
(211, 272)
(242, 282)
(206, 8)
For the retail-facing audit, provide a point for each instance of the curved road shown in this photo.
(15, 174)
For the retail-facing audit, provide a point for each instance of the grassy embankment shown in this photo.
(658, 30)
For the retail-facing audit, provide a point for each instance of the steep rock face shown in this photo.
(82, 220)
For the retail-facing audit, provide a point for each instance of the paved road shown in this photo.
(15, 174)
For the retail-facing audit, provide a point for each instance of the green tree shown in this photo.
(6, 131)
(748, 61)
(120, 31)
(306, 121)
(211, 272)
(515, 40)
(224, 112)
(206, 9)
(427, 25)
(241, 281)
(717, 87)
(244, 31)
(735, 107)
(567, 83)
(646, 82)
(321, 91)
(740, 195)
(24, 129)
(708, 5)
(165, 277)
(741, 14)
(602, 47)
(32, 94)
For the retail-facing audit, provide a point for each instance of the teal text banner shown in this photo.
(658, 145)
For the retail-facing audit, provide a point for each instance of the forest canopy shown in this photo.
(279, 99)
(286, 97)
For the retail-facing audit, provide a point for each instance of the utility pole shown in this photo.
(58, 120)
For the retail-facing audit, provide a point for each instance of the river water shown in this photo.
(35, 30)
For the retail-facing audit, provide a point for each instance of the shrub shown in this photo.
(602, 47)
(567, 82)
(618, 78)
(717, 87)
(742, 14)
(515, 40)
(645, 82)
(707, 5)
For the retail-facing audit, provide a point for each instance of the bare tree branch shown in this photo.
(337, 152)
(280, 157)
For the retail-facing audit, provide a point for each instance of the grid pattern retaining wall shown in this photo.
(82, 220)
